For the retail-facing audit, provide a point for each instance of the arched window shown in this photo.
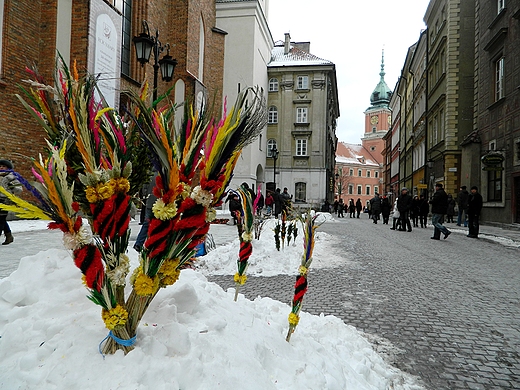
(272, 116)
(273, 85)
(271, 143)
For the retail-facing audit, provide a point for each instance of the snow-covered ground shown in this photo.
(194, 335)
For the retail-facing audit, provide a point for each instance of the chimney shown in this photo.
(287, 46)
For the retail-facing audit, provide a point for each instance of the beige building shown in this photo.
(303, 109)
(451, 35)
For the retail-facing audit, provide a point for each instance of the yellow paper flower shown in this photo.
(247, 237)
(164, 211)
(120, 184)
(293, 319)
(168, 272)
(102, 191)
(211, 214)
(240, 279)
(145, 285)
(114, 317)
(303, 270)
(186, 190)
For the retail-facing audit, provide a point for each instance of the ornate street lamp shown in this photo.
(274, 155)
(144, 44)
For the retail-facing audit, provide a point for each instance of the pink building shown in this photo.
(359, 168)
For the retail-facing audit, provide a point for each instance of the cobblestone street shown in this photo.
(444, 311)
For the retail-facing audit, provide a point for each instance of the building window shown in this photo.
(367, 190)
(351, 172)
(272, 116)
(301, 147)
(302, 82)
(494, 186)
(376, 174)
(516, 158)
(301, 115)
(271, 144)
(368, 173)
(359, 172)
(300, 192)
(126, 43)
(374, 129)
(350, 189)
(501, 5)
(273, 85)
(359, 190)
(499, 79)
(376, 189)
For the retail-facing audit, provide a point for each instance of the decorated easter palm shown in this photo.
(194, 165)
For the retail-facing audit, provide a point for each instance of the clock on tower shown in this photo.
(374, 119)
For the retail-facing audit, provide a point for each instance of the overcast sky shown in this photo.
(352, 34)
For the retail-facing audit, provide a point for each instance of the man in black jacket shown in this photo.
(439, 204)
(404, 204)
(474, 208)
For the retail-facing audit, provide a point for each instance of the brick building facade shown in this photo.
(32, 32)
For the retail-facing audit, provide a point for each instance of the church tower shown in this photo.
(378, 116)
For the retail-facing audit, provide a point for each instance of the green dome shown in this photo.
(381, 95)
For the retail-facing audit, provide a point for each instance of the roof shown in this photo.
(381, 95)
(354, 154)
(296, 57)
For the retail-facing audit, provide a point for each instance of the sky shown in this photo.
(352, 34)
(194, 336)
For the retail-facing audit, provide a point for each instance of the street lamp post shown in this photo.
(145, 43)
(274, 155)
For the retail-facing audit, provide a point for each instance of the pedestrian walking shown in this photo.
(474, 208)
(462, 204)
(369, 209)
(359, 207)
(9, 182)
(341, 207)
(386, 207)
(424, 209)
(235, 207)
(335, 206)
(352, 208)
(414, 211)
(404, 204)
(439, 204)
(286, 198)
(375, 207)
(451, 209)
(269, 202)
(396, 217)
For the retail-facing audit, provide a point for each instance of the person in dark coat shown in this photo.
(439, 204)
(424, 209)
(462, 202)
(335, 206)
(474, 208)
(352, 208)
(278, 202)
(385, 209)
(404, 204)
(235, 206)
(451, 209)
(414, 211)
(359, 207)
(375, 207)
(341, 207)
